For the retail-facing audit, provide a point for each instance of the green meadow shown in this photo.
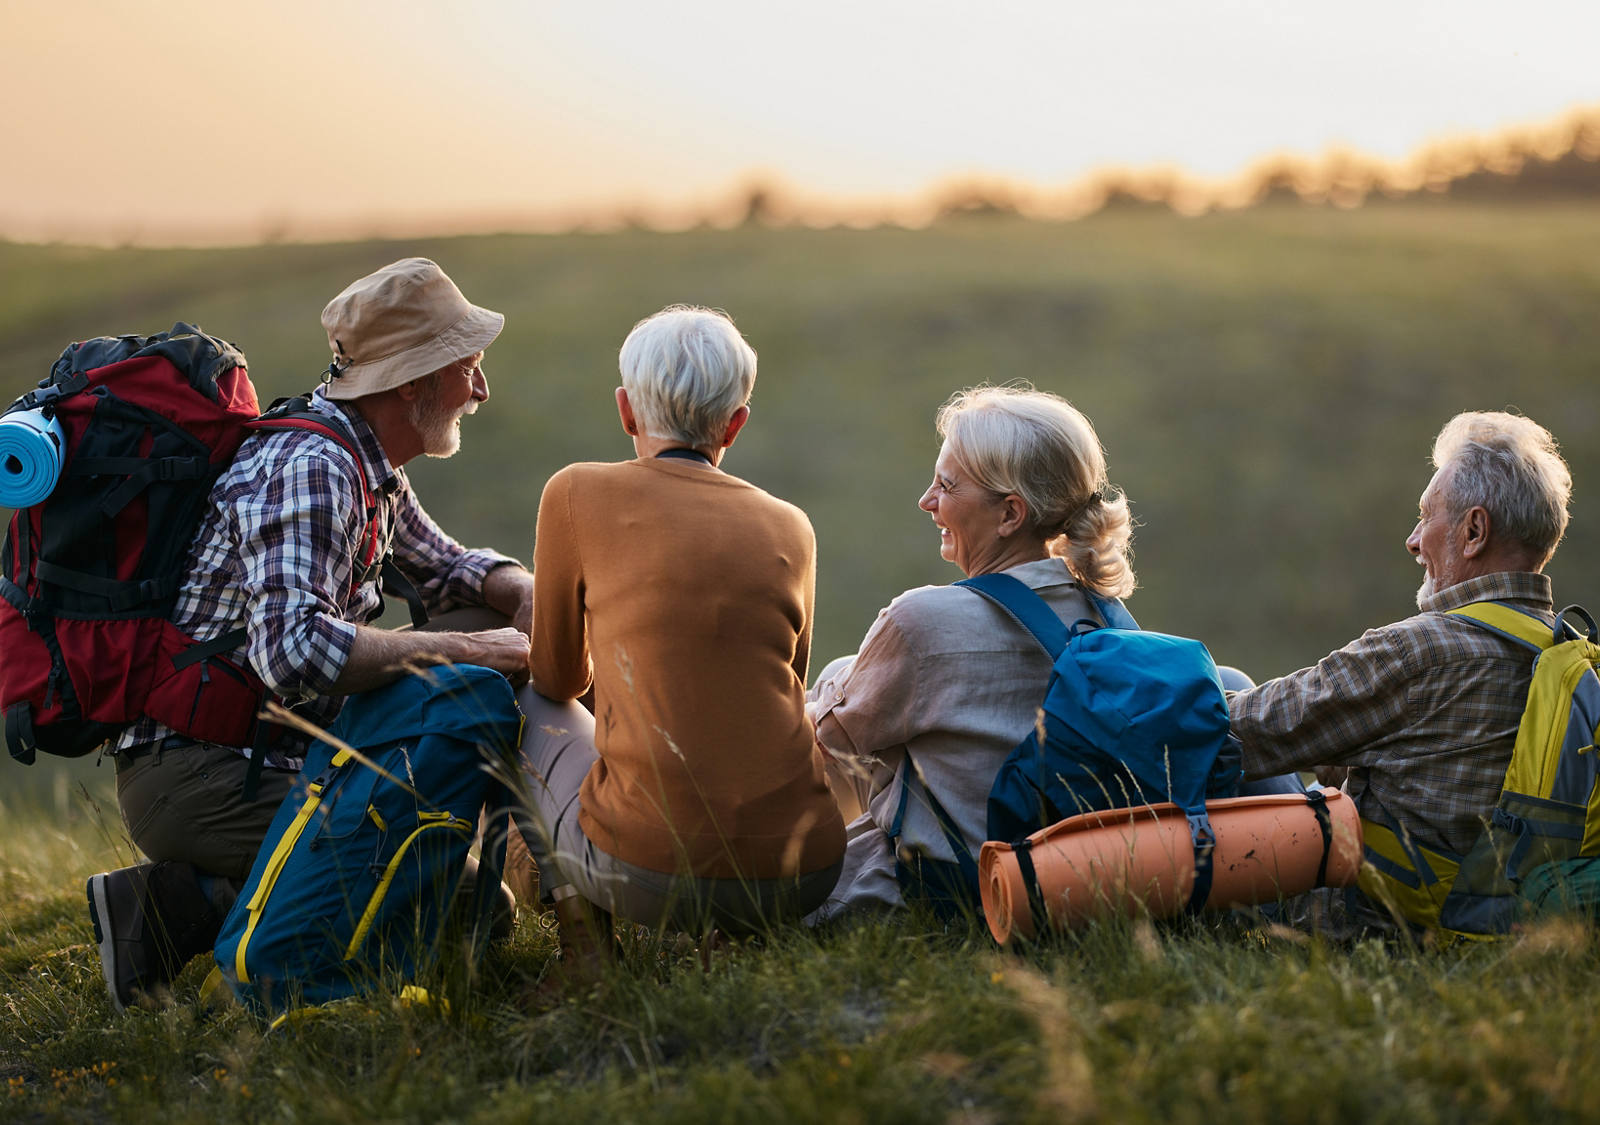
(1266, 383)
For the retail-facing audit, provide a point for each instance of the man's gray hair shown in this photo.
(1511, 467)
(686, 370)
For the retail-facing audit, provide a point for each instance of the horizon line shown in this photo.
(1340, 176)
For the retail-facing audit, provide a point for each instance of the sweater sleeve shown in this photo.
(559, 662)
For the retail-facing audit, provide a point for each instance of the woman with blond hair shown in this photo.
(945, 684)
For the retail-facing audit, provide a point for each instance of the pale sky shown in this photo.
(205, 120)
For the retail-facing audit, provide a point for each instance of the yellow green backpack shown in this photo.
(1546, 825)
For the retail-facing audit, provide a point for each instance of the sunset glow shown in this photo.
(199, 123)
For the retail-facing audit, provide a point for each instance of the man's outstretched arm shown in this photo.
(509, 589)
(381, 656)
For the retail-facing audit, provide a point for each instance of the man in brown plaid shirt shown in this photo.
(1421, 716)
(277, 563)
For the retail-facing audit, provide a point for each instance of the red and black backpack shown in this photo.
(89, 575)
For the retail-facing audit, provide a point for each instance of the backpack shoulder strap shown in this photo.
(1510, 622)
(1024, 607)
(1111, 610)
(296, 414)
(946, 822)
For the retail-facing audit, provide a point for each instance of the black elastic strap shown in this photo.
(258, 754)
(155, 468)
(491, 862)
(119, 596)
(1318, 800)
(952, 836)
(24, 526)
(19, 733)
(1205, 843)
(15, 595)
(214, 647)
(1023, 850)
(142, 473)
(395, 582)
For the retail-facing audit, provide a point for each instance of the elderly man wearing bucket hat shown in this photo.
(275, 562)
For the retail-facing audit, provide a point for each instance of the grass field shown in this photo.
(897, 1022)
(1266, 383)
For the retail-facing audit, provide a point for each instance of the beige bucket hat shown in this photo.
(400, 323)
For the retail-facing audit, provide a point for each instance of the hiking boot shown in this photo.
(149, 921)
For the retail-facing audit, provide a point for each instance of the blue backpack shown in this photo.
(362, 863)
(1129, 718)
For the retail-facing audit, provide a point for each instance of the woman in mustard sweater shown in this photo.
(693, 797)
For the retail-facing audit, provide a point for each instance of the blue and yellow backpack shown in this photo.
(362, 862)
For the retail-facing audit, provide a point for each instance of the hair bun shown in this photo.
(1083, 506)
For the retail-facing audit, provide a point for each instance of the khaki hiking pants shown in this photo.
(558, 750)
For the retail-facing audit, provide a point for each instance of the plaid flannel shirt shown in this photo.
(1425, 711)
(277, 552)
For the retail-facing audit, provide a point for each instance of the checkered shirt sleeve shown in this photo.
(1426, 711)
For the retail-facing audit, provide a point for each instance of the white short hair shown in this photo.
(1510, 467)
(686, 370)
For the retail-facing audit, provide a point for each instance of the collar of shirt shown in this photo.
(1043, 573)
(1510, 585)
(381, 476)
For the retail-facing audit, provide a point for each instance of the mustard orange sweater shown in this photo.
(686, 594)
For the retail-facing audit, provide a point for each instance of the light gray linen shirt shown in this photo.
(947, 675)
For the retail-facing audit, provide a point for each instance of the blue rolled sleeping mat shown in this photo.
(32, 448)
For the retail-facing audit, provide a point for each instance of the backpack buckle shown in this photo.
(50, 390)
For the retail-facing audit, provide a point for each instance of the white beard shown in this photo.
(439, 429)
(1424, 591)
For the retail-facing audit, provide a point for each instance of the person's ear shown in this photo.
(1475, 530)
(625, 412)
(1013, 514)
(735, 424)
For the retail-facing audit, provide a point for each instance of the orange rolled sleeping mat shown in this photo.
(1129, 861)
